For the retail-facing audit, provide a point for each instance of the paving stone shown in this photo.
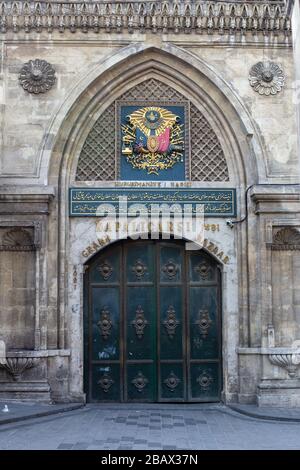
(90, 429)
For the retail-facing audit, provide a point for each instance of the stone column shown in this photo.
(296, 46)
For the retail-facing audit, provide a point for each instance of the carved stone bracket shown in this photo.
(290, 362)
(15, 366)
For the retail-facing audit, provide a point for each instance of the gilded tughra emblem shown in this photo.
(153, 139)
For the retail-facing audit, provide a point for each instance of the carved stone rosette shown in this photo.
(37, 76)
(15, 366)
(267, 78)
(290, 362)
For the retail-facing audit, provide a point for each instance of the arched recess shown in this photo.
(194, 79)
(185, 73)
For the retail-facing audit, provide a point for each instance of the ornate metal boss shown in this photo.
(37, 76)
(267, 78)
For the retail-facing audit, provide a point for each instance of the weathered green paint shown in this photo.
(152, 324)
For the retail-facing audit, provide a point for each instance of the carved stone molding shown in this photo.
(16, 239)
(15, 366)
(197, 16)
(37, 76)
(286, 238)
(290, 362)
(267, 78)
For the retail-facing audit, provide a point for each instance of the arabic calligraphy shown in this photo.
(220, 202)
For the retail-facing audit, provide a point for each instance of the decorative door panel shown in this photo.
(106, 323)
(152, 332)
(104, 327)
(205, 381)
(105, 382)
(204, 338)
(203, 323)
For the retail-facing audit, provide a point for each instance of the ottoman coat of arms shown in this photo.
(153, 139)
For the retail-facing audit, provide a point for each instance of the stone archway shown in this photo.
(223, 110)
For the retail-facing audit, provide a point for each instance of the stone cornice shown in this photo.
(170, 16)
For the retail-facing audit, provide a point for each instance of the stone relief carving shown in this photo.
(267, 78)
(16, 239)
(286, 238)
(37, 76)
(15, 366)
(168, 16)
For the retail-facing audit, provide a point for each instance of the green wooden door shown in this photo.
(152, 324)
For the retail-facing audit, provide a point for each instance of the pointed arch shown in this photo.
(186, 73)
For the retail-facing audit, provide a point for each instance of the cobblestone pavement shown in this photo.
(146, 427)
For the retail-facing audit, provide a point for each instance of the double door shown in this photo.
(152, 324)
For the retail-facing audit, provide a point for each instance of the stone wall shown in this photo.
(296, 48)
(205, 55)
